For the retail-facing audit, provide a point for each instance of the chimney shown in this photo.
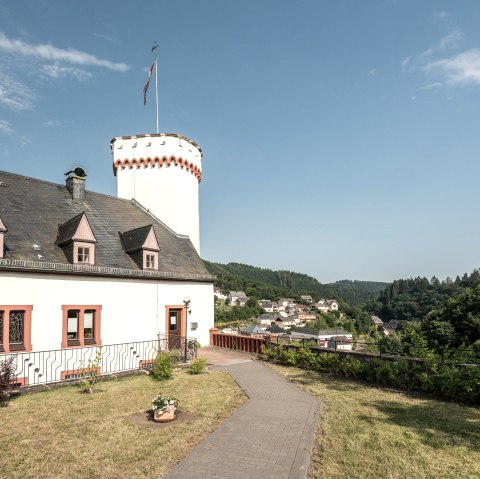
(76, 184)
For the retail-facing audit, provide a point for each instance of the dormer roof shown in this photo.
(3, 228)
(140, 238)
(75, 229)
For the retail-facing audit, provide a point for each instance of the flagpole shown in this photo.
(156, 82)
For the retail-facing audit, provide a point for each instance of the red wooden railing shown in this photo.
(249, 344)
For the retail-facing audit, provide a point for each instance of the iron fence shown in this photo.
(56, 365)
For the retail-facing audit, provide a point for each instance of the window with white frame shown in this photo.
(150, 261)
(72, 327)
(83, 254)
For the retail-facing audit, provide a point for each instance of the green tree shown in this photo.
(252, 302)
(457, 322)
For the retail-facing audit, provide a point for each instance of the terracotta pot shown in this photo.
(165, 417)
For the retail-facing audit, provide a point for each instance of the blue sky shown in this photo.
(341, 138)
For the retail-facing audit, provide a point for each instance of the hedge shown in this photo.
(457, 383)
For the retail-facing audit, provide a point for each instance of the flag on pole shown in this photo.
(145, 88)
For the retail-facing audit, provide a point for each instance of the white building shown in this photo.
(217, 292)
(237, 298)
(80, 269)
(324, 306)
(332, 338)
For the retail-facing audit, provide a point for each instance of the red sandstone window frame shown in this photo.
(27, 327)
(78, 373)
(81, 341)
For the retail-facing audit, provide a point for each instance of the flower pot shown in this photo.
(165, 417)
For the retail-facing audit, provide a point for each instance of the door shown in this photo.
(174, 327)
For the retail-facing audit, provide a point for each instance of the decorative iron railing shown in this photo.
(47, 367)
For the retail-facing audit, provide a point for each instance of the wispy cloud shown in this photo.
(19, 58)
(47, 52)
(456, 69)
(5, 127)
(107, 38)
(15, 95)
(431, 86)
(52, 124)
(372, 72)
(24, 141)
(58, 71)
(450, 41)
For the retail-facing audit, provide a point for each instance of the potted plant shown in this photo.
(164, 408)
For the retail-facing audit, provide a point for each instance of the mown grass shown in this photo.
(366, 432)
(65, 434)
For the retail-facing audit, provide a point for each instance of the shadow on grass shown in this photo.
(438, 425)
(330, 382)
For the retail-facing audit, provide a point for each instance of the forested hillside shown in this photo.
(414, 298)
(266, 283)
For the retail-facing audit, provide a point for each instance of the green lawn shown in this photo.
(371, 433)
(65, 434)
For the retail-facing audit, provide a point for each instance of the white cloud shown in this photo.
(48, 61)
(58, 71)
(107, 38)
(453, 40)
(14, 94)
(441, 16)
(5, 127)
(50, 53)
(52, 124)
(431, 86)
(372, 72)
(24, 141)
(461, 68)
(458, 69)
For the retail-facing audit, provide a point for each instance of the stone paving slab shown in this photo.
(269, 437)
(221, 356)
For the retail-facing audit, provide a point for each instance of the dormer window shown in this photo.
(151, 260)
(83, 255)
(77, 241)
(142, 246)
(3, 230)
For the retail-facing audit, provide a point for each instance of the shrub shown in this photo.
(89, 373)
(289, 356)
(305, 358)
(162, 366)
(7, 376)
(197, 366)
(447, 381)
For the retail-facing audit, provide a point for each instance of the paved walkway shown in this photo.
(269, 437)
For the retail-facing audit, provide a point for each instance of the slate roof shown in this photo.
(325, 332)
(252, 329)
(393, 324)
(33, 210)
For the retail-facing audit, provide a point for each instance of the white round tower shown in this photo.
(161, 171)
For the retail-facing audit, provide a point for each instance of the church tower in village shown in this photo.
(161, 171)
